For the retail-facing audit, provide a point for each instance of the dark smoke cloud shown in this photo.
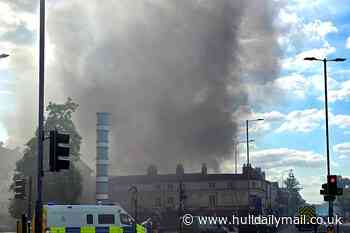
(164, 70)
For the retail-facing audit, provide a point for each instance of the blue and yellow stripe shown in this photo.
(92, 229)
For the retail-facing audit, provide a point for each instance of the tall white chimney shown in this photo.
(102, 131)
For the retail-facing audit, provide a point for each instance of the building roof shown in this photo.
(189, 177)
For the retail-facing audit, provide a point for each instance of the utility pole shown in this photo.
(40, 172)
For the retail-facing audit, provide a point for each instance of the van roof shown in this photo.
(85, 207)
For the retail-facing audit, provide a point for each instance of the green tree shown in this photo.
(294, 198)
(63, 187)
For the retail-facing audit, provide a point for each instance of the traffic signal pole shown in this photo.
(40, 140)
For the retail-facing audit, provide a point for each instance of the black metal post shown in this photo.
(40, 173)
(29, 211)
(326, 112)
(236, 154)
(330, 206)
(247, 134)
(135, 202)
(180, 211)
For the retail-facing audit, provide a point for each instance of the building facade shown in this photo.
(202, 193)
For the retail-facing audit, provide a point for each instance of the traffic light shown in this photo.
(20, 188)
(332, 185)
(324, 190)
(59, 151)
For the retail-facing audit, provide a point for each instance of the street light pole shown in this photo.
(326, 112)
(325, 60)
(247, 137)
(248, 164)
(236, 152)
(134, 191)
(40, 172)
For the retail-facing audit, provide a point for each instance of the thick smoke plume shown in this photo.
(170, 72)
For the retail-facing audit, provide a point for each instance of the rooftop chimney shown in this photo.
(204, 169)
(152, 170)
(180, 169)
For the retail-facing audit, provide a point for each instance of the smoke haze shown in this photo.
(170, 72)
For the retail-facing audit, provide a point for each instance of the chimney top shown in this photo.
(152, 170)
(204, 169)
(180, 169)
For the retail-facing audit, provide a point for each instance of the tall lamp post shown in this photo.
(236, 151)
(247, 134)
(134, 191)
(40, 145)
(248, 163)
(325, 60)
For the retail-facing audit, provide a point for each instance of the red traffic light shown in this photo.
(332, 179)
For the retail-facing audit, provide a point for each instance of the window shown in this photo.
(158, 202)
(105, 219)
(183, 187)
(212, 201)
(230, 185)
(103, 135)
(157, 187)
(171, 201)
(170, 187)
(254, 184)
(89, 219)
(212, 185)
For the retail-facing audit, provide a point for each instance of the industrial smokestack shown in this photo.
(102, 157)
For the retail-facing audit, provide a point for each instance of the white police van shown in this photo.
(88, 219)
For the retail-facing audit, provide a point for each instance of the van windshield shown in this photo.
(126, 219)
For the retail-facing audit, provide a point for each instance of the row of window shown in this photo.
(170, 201)
(230, 185)
(108, 219)
(158, 202)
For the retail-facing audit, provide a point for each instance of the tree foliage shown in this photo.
(292, 184)
(293, 188)
(63, 187)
